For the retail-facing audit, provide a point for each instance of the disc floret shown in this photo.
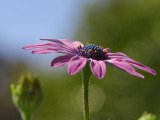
(93, 51)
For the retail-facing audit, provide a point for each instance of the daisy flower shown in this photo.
(78, 54)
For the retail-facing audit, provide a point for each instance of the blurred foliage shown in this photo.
(129, 26)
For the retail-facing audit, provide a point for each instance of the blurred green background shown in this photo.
(129, 26)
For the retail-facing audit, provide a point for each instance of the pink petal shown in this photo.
(132, 62)
(61, 60)
(98, 68)
(56, 46)
(65, 43)
(37, 46)
(59, 41)
(125, 66)
(44, 51)
(141, 66)
(135, 64)
(117, 54)
(76, 64)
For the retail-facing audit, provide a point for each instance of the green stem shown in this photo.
(25, 115)
(86, 73)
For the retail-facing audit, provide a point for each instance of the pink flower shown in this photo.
(78, 54)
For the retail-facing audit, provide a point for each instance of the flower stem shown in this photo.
(86, 73)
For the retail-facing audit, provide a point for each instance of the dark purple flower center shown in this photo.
(93, 51)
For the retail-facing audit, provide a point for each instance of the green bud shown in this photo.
(26, 95)
(147, 116)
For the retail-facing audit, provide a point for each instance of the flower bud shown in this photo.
(147, 116)
(27, 94)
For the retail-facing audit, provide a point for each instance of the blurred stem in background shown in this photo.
(26, 95)
(86, 73)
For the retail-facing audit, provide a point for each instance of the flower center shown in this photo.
(93, 51)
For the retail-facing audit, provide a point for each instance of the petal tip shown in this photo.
(71, 73)
(101, 77)
(52, 64)
(33, 52)
(153, 73)
(23, 48)
(138, 75)
(42, 39)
